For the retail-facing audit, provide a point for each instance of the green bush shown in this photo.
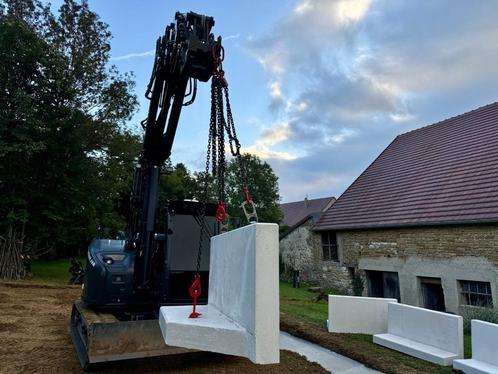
(358, 285)
(481, 313)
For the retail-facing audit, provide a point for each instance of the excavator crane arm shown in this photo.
(184, 54)
(127, 280)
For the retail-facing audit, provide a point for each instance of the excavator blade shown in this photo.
(100, 337)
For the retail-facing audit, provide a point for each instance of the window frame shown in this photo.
(329, 246)
(471, 293)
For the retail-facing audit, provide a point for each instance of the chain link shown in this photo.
(215, 159)
(211, 149)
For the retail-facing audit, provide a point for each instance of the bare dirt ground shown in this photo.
(34, 338)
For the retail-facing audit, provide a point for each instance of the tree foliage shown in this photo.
(66, 159)
(263, 187)
(66, 156)
(178, 183)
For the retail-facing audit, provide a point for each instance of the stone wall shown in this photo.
(449, 253)
(435, 241)
(302, 250)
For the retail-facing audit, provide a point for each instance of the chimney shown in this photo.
(306, 202)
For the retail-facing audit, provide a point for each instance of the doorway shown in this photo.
(432, 294)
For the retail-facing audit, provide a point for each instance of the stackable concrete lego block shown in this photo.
(484, 350)
(242, 315)
(429, 335)
(355, 314)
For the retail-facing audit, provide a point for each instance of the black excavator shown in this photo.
(126, 281)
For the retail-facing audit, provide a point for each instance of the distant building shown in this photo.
(301, 248)
(421, 222)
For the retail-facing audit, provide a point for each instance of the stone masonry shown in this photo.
(302, 250)
(451, 253)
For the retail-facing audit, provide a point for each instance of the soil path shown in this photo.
(34, 338)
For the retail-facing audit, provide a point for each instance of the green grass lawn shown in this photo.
(300, 303)
(53, 271)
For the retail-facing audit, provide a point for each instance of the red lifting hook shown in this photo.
(221, 214)
(195, 292)
(247, 196)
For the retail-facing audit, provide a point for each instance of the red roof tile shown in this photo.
(445, 173)
(297, 211)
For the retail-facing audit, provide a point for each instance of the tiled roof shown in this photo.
(445, 173)
(297, 211)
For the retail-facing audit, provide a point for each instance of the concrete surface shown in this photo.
(429, 335)
(243, 303)
(484, 349)
(449, 270)
(331, 361)
(354, 314)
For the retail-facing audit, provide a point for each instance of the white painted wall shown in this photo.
(354, 314)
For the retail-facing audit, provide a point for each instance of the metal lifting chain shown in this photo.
(215, 159)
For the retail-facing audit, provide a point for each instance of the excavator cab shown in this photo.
(109, 272)
(109, 313)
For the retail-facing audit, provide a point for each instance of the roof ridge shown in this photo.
(318, 198)
(451, 118)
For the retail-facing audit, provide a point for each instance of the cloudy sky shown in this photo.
(320, 87)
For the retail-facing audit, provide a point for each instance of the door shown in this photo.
(432, 294)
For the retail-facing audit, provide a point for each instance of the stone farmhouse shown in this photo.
(421, 222)
(301, 248)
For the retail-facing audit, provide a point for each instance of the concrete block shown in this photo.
(484, 351)
(416, 349)
(213, 332)
(433, 336)
(242, 315)
(355, 314)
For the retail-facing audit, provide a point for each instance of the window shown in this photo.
(383, 284)
(329, 246)
(476, 293)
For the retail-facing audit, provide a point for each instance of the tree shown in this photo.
(263, 187)
(66, 159)
(176, 183)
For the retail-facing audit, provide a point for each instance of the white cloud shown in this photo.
(133, 55)
(350, 10)
(265, 153)
(274, 135)
(230, 37)
(349, 75)
(340, 136)
(276, 90)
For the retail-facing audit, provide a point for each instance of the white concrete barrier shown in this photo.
(429, 335)
(242, 315)
(355, 314)
(484, 349)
